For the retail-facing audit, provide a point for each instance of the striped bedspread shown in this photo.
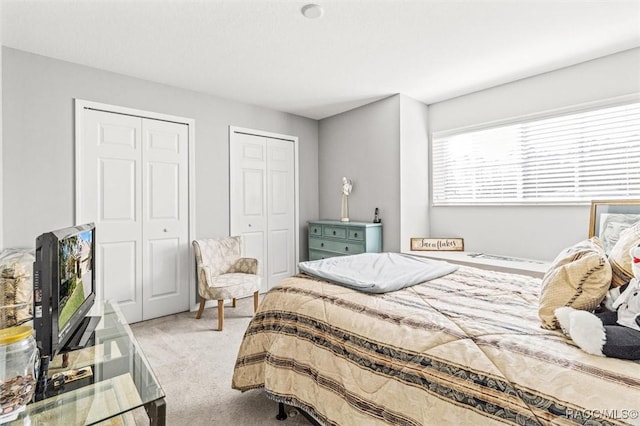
(464, 349)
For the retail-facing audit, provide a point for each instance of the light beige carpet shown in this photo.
(194, 364)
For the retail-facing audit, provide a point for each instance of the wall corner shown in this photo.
(414, 170)
(1, 152)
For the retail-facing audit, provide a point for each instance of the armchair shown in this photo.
(223, 274)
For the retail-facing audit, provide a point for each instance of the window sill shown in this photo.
(531, 267)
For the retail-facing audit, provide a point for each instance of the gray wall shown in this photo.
(378, 146)
(529, 231)
(363, 144)
(382, 147)
(1, 168)
(414, 171)
(38, 163)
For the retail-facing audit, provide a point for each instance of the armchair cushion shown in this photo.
(246, 265)
(234, 285)
(219, 254)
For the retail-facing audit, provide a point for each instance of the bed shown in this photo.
(464, 349)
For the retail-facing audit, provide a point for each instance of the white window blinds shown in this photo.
(565, 159)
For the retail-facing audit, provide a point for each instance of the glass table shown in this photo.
(112, 378)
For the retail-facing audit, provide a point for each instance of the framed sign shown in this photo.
(437, 244)
(609, 218)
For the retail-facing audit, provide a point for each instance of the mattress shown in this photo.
(466, 348)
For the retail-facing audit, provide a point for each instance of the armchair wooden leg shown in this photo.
(233, 302)
(256, 301)
(220, 313)
(201, 308)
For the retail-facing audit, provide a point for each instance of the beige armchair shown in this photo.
(223, 274)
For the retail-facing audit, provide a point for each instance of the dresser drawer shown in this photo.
(318, 244)
(356, 234)
(315, 230)
(352, 248)
(317, 254)
(346, 247)
(334, 231)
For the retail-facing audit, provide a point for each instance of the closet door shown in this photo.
(111, 197)
(280, 210)
(248, 198)
(134, 186)
(165, 229)
(262, 202)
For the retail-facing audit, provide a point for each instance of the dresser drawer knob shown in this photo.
(321, 244)
(346, 248)
(334, 232)
(355, 235)
(315, 230)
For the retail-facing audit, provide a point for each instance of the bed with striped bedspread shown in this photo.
(464, 349)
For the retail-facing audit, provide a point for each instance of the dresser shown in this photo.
(328, 238)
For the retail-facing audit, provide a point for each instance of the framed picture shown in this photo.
(609, 218)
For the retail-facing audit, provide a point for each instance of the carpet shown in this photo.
(194, 364)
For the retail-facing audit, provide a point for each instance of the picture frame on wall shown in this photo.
(610, 217)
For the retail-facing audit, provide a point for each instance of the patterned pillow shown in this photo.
(579, 277)
(620, 258)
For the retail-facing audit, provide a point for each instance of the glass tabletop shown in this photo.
(105, 380)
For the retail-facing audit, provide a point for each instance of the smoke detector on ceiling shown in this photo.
(312, 11)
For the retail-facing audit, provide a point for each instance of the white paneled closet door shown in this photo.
(262, 186)
(280, 210)
(165, 230)
(134, 186)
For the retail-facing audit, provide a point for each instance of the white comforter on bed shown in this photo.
(377, 272)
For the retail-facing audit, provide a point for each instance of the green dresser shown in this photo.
(328, 238)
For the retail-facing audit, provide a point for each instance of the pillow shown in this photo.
(620, 258)
(579, 277)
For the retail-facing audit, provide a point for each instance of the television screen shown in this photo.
(75, 269)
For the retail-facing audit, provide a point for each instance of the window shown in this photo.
(570, 158)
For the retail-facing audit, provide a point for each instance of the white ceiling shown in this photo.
(265, 52)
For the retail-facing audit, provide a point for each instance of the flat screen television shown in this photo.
(64, 288)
